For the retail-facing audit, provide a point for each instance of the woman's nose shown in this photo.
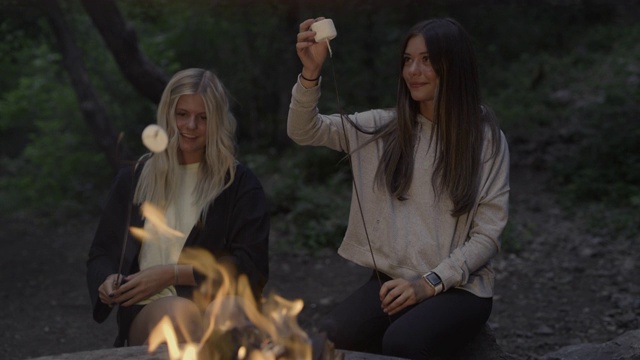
(414, 69)
(191, 122)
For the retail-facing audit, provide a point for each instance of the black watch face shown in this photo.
(433, 279)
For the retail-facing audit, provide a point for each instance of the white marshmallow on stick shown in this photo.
(155, 138)
(325, 31)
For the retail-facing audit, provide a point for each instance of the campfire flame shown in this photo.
(158, 224)
(236, 326)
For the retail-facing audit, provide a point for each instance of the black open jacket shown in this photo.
(235, 230)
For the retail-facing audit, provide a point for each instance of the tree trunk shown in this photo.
(121, 39)
(93, 111)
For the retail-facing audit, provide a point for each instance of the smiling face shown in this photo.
(419, 75)
(191, 121)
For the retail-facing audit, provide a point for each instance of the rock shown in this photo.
(352, 355)
(624, 347)
(544, 330)
(128, 353)
(483, 347)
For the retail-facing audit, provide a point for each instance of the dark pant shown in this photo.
(125, 319)
(435, 327)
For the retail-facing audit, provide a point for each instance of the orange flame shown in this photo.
(236, 326)
(158, 224)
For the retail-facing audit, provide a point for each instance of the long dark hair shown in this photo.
(460, 120)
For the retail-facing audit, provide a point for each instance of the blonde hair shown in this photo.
(216, 172)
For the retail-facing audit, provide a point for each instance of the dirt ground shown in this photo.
(565, 287)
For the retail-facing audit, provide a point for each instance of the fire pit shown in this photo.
(141, 353)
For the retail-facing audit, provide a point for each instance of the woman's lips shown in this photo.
(416, 85)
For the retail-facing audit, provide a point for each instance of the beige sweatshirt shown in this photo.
(412, 237)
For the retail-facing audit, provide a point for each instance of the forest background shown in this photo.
(77, 76)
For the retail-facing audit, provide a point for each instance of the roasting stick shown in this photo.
(325, 31)
(155, 139)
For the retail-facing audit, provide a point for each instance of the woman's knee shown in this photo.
(183, 313)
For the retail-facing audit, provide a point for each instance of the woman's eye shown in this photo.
(203, 117)
(180, 114)
(425, 59)
(406, 59)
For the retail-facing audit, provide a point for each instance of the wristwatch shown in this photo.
(434, 281)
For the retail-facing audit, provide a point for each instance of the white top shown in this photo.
(162, 247)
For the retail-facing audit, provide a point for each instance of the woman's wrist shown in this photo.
(433, 280)
(309, 80)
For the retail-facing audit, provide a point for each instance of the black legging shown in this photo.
(437, 326)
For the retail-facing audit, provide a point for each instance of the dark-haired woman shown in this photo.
(430, 199)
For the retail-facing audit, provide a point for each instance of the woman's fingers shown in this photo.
(397, 304)
(311, 53)
(306, 25)
(398, 294)
(105, 291)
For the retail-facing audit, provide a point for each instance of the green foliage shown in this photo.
(587, 98)
(50, 161)
(59, 165)
(309, 191)
(543, 67)
(605, 164)
(126, 108)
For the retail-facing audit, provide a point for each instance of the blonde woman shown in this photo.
(215, 202)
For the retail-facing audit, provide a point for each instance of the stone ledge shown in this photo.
(483, 347)
(624, 347)
(130, 353)
(140, 353)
